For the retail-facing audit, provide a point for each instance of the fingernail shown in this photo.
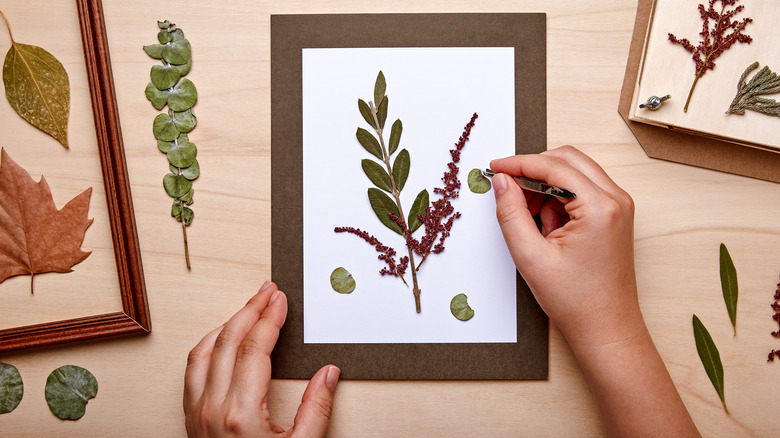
(499, 184)
(332, 378)
(265, 285)
(274, 297)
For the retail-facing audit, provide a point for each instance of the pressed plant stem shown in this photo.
(186, 247)
(703, 69)
(688, 101)
(397, 195)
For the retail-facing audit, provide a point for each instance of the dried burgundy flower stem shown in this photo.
(716, 40)
(387, 254)
(776, 317)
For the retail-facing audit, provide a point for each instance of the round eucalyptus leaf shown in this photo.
(183, 96)
(154, 50)
(165, 146)
(11, 388)
(478, 183)
(184, 121)
(187, 197)
(164, 24)
(184, 68)
(182, 153)
(177, 51)
(68, 388)
(341, 281)
(164, 36)
(158, 98)
(164, 76)
(176, 185)
(460, 308)
(164, 128)
(176, 209)
(186, 216)
(178, 35)
(192, 172)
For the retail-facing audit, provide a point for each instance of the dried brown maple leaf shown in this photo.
(35, 237)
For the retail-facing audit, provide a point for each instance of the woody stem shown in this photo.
(688, 101)
(8, 26)
(186, 246)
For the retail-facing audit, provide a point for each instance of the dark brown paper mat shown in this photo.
(526, 359)
(671, 145)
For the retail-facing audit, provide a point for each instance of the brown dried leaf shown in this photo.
(35, 237)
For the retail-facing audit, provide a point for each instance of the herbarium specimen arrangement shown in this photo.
(167, 87)
(37, 87)
(724, 32)
(749, 94)
(36, 237)
(776, 317)
(389, 176)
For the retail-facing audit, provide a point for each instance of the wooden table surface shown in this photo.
(682, 215)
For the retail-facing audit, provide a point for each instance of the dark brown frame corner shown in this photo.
(134, 317)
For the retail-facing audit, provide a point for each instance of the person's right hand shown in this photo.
(580, 266)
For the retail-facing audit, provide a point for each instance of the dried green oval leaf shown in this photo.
(728, 283)
(183, 69)
(164, 76)
(379, 88)
(184, 121)
(341, 281)
(419, 206)
(395, 136)
(182, 153)
(378, 175)
(401, 169)
(176, 185)
(478, 183)
(164, 36)
(381, 112)
(365, 111)
(186, 216)
(183, 96)
(460, 308)
(187, 198)
(11, 388)
(159, 98)
(37, 87)
(177, 51)
(163, 24)
(382, 205)
(164, 146)
(176, 209)
(178, 35)
(710, 357)
(369, 142)
(190, 172)
(154, 50)
(164, 128)
(68, 388)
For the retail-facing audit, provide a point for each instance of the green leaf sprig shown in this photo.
(748, 96)
(728, 283)
(167, 87)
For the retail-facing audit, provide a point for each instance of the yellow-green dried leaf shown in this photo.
(460, 308)
(341, 281)
(37, 87)
(478, 183)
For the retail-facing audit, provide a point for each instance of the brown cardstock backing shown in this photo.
(526, 359)
(672, 145)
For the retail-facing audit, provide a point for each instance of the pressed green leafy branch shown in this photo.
(389, 176)
(167, 87)
(749, 94)
(710, 358)
(37, 87)
(728, 283)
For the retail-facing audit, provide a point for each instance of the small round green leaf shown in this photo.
(164, 76)
(401, 169)
(11, 388)
(382, 205)
(158, 98)
(164, 24)
(154, 50)
(460, 308)
(184, 68)
(191, 172)
(183, 96)
(164, 128)
(478, 183)
(184, 121)
(164, 146)
(176, 209)
(177, 51)
(183, 152)
(369, 142)
(395, 136)
(176, 185)
(365, 111)
(341, 281)
(377, 175)
(68, 388)
(164, 36)
(187, 197)
(186, 216)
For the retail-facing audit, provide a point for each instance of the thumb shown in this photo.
(520, 232)
(317, 403)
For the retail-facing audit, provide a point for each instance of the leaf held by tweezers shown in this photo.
(478, 183)
(728, 282)
(710, 358)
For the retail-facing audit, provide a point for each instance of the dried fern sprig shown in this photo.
(748, 94)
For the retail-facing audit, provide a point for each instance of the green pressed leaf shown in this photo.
(163, 24)
(341, 281)
(379, 88)
(164, 76)
(68, 389)
(190, 172)
(369, 142)
(478, 183)
(11, 388)
(37, 87)
(177, 51)
(460, 308)
(186, 216)
(728, 282)
(164, 128)
(419, 206)
(154, 50)
(176, 185)
(164, 36)
(158, 98)
(378, 175)
(401, 169)
(183, 96)
(184, 68)
(365, 111)
(395, 136)
(183, 152)
(164, 146)
(710, 357)
(184, 121)
(176, 209)
(381, 112)
(187, 198)
(382, 205)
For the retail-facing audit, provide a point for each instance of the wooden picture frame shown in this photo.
(134, 317)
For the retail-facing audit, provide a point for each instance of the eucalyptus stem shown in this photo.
(186, 246)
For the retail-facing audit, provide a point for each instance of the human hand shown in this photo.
(580, 267)
(229, 372)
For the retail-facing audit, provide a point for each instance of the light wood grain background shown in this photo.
(683, 214)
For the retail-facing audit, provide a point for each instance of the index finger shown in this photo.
(550, 169)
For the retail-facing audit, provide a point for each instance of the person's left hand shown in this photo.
(229, 372)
